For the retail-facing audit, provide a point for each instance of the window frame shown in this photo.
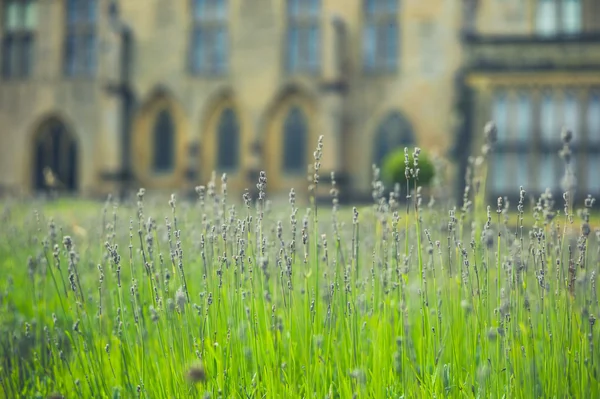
(304, 21)
(560, 26)
(210, 25)
(20, 65)
(80, 29)
(381, 18)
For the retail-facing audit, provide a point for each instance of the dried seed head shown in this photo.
(490, 132)
(566, 135)
(196, 374)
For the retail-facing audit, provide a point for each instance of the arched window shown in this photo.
(394, 132)
(164, 142)
(228, 150)
(295, 131)
(55, 158)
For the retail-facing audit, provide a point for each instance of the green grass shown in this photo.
(200, 299)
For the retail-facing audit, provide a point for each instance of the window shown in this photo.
(394, 132)
(547, 175)
(522, 164)
(164, 142)
(229, 136)
(558, 16)
(295, 131)
(55, 162)
(210, 39)
(523, 118)
(381, 35)
(500, 174)
(571, 115)
(303, 36)
(81, 38)
(546, 17)
(571, 16)
(593, 119)
(593, 174)
(18, 35)
(500, 116)
(547, 119)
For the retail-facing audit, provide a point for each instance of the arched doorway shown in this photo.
(55, 158)
(393, 133)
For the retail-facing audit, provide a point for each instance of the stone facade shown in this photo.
(534, 68)
(142, 52)
(447, 58)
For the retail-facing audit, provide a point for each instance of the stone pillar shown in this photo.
(332, 117)
(113, 119)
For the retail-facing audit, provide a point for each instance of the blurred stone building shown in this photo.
(98, 96)
(533, 66)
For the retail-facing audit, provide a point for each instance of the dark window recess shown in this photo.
(209, 43)
(55, 158)
(164, 143)
(80, 43)
(295, 139)
(228, 141)
(18, 38)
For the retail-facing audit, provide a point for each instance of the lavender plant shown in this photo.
(220, 298)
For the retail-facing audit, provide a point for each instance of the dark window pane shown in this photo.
(197, 58)
(369, 43)
(71, 175)
(29, 14)
(7, 56)
(293, 8)
(392, 45)
(91, 10)
(221, 9)
(315, 6)
(89, 49)
(72, 11)
(13, 16)
(313, 47)
(220, 47)
(70, 46)
(295, 141)
(199, 9)
(164, 143)
(228, 141)
(26, 55)
(292, 48)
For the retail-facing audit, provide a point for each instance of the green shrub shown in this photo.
(393, 168)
